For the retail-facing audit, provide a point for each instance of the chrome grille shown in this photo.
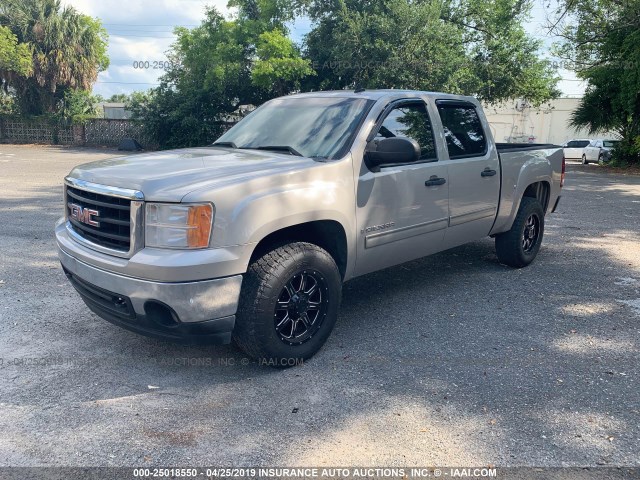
(114, 229)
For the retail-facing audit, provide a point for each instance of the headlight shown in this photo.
(170, 225)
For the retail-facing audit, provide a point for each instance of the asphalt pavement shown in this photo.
(451, 360)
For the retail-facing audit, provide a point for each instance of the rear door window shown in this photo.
(463, 130)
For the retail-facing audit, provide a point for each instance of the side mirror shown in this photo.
(391, 151)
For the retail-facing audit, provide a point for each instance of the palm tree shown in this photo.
(69, 50)
(606, 108)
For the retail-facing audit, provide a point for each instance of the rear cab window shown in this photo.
(578, 144)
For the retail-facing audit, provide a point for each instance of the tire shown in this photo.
(512, 247)
(584, 159)
(600, 159)
(270, 326)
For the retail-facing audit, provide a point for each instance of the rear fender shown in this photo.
(516, 177)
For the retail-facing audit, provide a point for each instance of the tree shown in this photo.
(602, 41)
(15, 60)
(279, 66)
(119, 98)
(217, 67)
(68, 51)
(78, 105)
(477, 47)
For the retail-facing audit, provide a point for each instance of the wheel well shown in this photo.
(327, 234)
(539, 190)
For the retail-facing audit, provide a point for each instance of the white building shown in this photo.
(519, 122)
(114, 111)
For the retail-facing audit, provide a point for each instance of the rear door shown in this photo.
(474, 172)
(402, 210)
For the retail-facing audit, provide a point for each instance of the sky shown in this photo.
(142, 31)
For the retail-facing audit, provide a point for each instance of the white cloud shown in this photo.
(140, 30)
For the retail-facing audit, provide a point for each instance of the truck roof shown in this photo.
(379, 94)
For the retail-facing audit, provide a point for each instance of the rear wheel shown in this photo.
(584, 159)
(288, 304)
(519, 246)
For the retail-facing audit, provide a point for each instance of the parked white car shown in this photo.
(598, 151)
(575, 148)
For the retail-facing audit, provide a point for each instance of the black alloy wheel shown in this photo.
(301, 307)
(530, 233)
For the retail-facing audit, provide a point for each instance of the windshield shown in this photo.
(610, 143)
(318, 127)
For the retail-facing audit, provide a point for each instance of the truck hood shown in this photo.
(169, 176)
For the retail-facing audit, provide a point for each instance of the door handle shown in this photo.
(487, 172)
(434, 180)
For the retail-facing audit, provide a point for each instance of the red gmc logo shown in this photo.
(84, 215)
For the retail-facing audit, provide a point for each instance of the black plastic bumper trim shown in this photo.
(99, 301)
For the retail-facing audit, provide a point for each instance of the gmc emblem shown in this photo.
(84, 215)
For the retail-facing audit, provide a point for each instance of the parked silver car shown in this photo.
(251, 238)
(598, 151)
(575, 148)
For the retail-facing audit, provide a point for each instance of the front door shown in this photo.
(402, 210)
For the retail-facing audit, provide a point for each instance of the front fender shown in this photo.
(247, 212)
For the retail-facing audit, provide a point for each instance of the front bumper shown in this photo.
(186, 312)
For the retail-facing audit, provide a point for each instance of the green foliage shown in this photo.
(216, 68)
(477, 48)
(263, 15)
(68, 50)
(603, 42)
(7, 104)
(15, 58)
(118, 98)
(142, 105)
(78, 106)
(279, 67)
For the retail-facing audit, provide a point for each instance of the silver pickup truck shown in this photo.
(250, 239)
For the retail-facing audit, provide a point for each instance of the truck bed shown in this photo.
(543, 160)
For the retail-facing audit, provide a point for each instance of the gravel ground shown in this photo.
(449, 360)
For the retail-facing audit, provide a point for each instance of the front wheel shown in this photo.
(288, 304)
(584, 159)
(519, 246)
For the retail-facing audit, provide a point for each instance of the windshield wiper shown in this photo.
(224, 144)
(279, 148)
